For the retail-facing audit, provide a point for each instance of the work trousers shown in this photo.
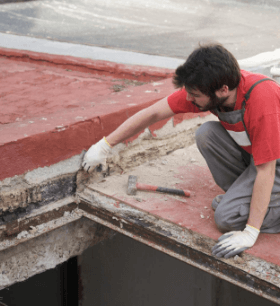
(233, 169)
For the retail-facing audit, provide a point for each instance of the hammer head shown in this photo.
(131, 185)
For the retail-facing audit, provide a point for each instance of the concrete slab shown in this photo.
(86, 100)
(250, 272)
(84, 51)
(182, 169)
(59, 106)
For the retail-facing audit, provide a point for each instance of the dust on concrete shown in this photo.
(153, 158)
(161, 172)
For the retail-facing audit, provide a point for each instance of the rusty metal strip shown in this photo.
(13, 228)
(149, 231)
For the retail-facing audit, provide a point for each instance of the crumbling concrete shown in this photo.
(19, 195)
(149, 145)
(49, 234)
(41, 204)
(54, 212)
(47, 245)
(152, 144)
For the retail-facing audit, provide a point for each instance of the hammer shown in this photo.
(133, 186)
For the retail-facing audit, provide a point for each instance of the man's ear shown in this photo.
(222, 92)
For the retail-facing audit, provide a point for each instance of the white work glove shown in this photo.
(96, 155)
(235, 242)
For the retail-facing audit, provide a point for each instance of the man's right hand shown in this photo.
(96, 155)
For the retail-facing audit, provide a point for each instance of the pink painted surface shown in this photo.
(53, 107)
(195, 213)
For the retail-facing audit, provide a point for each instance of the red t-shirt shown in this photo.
(262, 116)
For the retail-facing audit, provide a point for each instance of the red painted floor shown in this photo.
(195, 213)
(53, 107)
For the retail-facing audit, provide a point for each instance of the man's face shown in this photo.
(203, 102)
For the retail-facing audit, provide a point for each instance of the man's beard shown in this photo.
(214, 103)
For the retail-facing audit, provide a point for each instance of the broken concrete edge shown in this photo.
(254, 274)
(55, 141)
(141, 73)
(21, 194)
(66, 228)
(21, 156)
(47, 245)
(21, 141)
(21, 144)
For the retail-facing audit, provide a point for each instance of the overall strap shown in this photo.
(247, 95)
(246, 98)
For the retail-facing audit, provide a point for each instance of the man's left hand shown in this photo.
(233, 243)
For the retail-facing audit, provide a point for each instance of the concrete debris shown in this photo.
(21, 194)
(146, 148)
(238, 259)
(23, 234)
(33, 230)
(66, 214)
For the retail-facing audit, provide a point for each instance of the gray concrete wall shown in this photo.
(123, 272)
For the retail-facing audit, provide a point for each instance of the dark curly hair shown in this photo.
(207, 69)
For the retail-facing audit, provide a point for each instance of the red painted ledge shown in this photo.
(53, 107)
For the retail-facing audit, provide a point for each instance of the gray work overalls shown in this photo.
(234, 171)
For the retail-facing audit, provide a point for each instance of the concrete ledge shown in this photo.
(22, 194)
(89, 52)
(249, 272)
(47, 137)
(40, 206)
(43, 137)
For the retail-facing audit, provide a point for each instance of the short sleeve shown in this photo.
(178, 103)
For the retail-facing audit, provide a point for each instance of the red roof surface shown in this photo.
(53, 107)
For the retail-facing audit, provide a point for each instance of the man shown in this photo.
(242, 150)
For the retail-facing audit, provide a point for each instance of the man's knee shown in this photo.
(222, 221)
(206, 132)
(230, 220)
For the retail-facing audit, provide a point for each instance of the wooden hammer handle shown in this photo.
(146, 187)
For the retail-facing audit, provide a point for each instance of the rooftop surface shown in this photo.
(55, 106)
(51, 55)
